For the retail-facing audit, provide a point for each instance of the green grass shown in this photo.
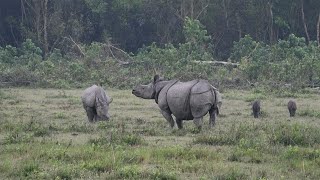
(45, 134)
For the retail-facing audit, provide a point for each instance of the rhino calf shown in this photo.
(256, 108)
(96, 103)
(185, 100)
(292, 107)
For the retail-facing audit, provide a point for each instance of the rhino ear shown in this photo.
(111, 99)
(98, 100)
(156, 78)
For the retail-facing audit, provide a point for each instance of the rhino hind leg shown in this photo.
(212, 120)
(168, 117)
(292, 112)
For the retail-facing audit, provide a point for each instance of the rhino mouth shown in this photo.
(136, 93)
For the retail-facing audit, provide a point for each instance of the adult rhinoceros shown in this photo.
(185, 100)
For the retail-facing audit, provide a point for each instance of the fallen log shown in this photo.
(218, 63)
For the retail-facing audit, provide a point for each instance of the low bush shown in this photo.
(229, 136)
(232, 174)
(17, 137)
(296, 134)
(135, 172)
(309, 113)
(118, 139)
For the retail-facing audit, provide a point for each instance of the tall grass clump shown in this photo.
(249, 151)
(233, 174)
(36, 128)
(301, 158)
(189, 154)
(309, 113)
(294, 135)
(30, 169)
(135, 172)
(16, 137)
(230, 135)
(118, 139)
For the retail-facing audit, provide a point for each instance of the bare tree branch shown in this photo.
(78, 47)
(304, 22)
(202, 11)
(110, 47)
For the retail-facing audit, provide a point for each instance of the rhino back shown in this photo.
(101, 94)
(177, 99)
(89, 96)
(187, 99)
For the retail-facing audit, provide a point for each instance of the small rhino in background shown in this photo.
(96, 103)
(256, 108)
(292, 107)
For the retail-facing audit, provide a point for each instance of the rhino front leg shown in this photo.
(168, 117)
(212, 120)
(198, 122)
(179, 123)
(90, 113)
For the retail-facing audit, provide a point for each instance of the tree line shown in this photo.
(131, 24)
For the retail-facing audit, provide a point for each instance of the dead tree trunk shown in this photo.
(45, 27)
(37, 9)
(226, 16)
(318, 30)
(192, 9)
(271, 23)
(304, 22)
(239, 25)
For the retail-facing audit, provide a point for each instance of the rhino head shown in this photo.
(147, 91)
(102, 107)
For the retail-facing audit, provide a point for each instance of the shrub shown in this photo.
(295, 152)
(18, 76)
(309, 113)
(29, 169)
(8, 55)
(288, 61)
(247, 150)
(232, 174)
(66, 173)
(98, 166)
(295, 134)
(134, 172)
(38, 129)
(229, 136)
(118, 138)
(17, 137)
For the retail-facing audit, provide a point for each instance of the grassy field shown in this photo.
(44, 134)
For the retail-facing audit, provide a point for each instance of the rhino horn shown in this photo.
(111, 99)
(156, 78)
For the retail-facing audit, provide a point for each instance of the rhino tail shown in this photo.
(215, 104)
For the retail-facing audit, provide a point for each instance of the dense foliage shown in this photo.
(98, 65)
(120, 43)
(134, 23)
